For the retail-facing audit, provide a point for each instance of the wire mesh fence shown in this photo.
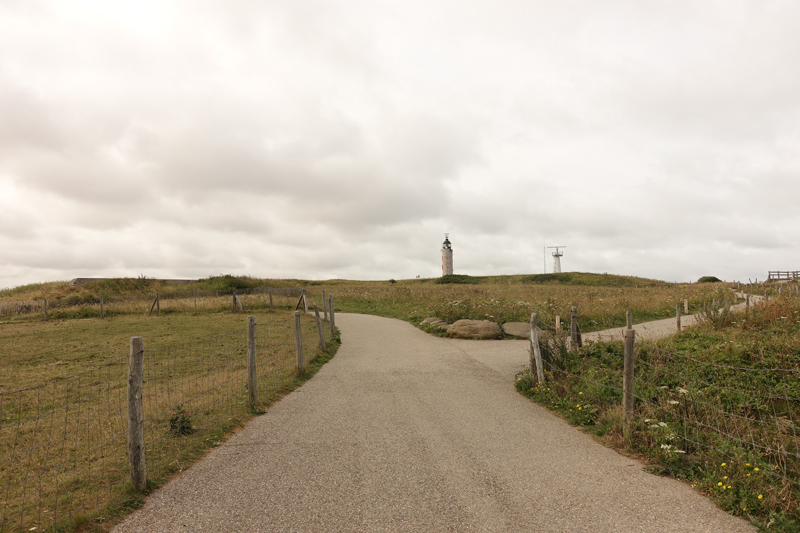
(684, 405)
(64, 444)
(63, 447)
(723, 407)
(168, 302)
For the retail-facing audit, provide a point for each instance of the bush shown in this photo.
(458, 278)
(709, 279)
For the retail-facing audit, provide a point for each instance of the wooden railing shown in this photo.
(775, 275)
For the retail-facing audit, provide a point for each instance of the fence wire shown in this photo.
(178, 301)
(712, 405)
(697, 405)
(63, 445)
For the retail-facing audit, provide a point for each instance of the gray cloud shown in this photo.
(317, 139)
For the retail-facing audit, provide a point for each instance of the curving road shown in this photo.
(403, 431)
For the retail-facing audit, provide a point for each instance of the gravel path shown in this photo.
(403, 431)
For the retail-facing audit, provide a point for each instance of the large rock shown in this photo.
(518, 329)
(475, 329)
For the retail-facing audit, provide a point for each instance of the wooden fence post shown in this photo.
(102, 308)
(333, 316)
(678, 315)
(629, 319)
(324, 306)
(746, 304)
(158, 305)
(319, 328)
(195, 300)
(686, 306)
(305, 302)
(45, 308)
(251, 361)
(627, 380)
(575, 330)
(270, 300)
(536, 353)
(136, 414)
(299, 341)
(558, 323)
(233, 303)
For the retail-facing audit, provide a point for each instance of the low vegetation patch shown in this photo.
(716, 406)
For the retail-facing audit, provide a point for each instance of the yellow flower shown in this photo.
(723, 464)
(756, 469)
(724, 477)
(760, 496)
(580, 393)
(747, 464)
(719, 484)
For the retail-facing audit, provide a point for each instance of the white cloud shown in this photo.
(323, 139)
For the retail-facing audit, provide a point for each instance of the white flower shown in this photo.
(662, 424)
(681, 390)
(673, 402)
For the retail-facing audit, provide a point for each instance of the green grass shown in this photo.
(684, 384)
(195, 396)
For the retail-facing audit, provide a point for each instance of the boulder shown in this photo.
(475, 329)
(518, 329)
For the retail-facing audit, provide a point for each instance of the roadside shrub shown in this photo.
(709, 279)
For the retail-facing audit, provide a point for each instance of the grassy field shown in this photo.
(602, 300)
(583, 386)
(716, 405)
(63, 405)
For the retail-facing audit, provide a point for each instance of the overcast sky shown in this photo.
(342, 138)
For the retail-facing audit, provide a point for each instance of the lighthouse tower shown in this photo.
(447, 256)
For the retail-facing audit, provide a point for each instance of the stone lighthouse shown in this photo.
(447, 256)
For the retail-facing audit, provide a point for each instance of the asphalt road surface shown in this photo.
(403, 431)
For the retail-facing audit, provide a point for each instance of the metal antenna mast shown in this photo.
(557, 255)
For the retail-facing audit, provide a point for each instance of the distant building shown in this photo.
(447, 256)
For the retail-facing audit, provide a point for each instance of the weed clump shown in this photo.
(180, 423)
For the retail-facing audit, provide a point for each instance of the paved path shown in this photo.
(403, 431)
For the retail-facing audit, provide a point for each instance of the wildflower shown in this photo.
(724, 477)
(673, 402)
(755, 469)
(719, 484)
(747, 464)
(723, 464)
(760, 496)
(681, 390)
(662, 424)
(580, 393)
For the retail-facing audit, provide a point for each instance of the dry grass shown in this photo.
(63, 402)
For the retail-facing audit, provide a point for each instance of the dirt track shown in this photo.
(403, 431)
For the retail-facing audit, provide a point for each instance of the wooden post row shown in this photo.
(136, 414)
(535, 350)
(251, 362)
(319, 328)
(575, 330)
(299, 342)
(627, 379)
(333, 316)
